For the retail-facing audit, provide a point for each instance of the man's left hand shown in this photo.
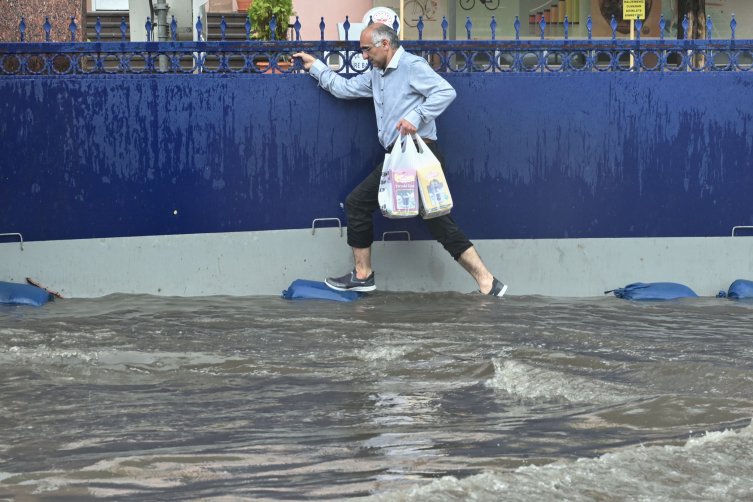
(406, 127)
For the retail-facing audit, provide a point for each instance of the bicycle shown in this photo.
(415, 8)
(489, 4)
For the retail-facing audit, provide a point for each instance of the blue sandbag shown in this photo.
(23, 294)
(739, 289)
(653, 291)
(312, 290)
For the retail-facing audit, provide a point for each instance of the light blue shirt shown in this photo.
(407, 89)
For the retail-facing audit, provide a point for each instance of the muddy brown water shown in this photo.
(397, 396)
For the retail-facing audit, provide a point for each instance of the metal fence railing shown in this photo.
(223, 56)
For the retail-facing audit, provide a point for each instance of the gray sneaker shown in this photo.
(349, 282)
(498, 289)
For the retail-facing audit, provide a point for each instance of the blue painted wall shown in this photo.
(529, 155)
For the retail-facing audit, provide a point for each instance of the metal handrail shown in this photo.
(19, 236)
(745, 227)
(340, 226)
(396, 232)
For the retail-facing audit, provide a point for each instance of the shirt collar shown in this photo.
(395, 59)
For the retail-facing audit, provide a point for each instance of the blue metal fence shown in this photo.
(579, 149)
(452, 56)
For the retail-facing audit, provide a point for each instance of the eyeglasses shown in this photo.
(367, 49)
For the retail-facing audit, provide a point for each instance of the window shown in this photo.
(110, 4)
(530, 13)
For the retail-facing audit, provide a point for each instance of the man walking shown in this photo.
(408, 95)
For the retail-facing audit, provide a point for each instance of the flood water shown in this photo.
(395, 397)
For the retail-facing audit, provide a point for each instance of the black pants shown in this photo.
(362, 203)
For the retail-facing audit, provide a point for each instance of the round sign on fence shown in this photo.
(357, 62)
(382, 15)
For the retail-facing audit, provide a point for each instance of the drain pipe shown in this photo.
(151, 13)
(162, 9)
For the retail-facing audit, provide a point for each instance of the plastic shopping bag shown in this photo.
(432, 185)
(398, 189)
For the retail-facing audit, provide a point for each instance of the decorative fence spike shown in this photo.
(248, 28)
(198, 28)
(149, 26)
(733, 25)
(297, 28)
(709, 27)
(542, 25)
(396, 25)
(493, 26)
(272, 26)
(72, 27)
(662, 24)
(685, 26)
(589, 25)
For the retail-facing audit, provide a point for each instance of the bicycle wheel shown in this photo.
(491, 4)
(411, 11)
(467, 4)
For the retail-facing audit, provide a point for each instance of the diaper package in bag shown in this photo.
(398, 189)
(432, 185)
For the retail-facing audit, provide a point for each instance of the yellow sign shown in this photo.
(631, 9)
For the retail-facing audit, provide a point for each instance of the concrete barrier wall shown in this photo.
(530, 156)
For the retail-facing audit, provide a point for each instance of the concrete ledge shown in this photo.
(265, 263)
